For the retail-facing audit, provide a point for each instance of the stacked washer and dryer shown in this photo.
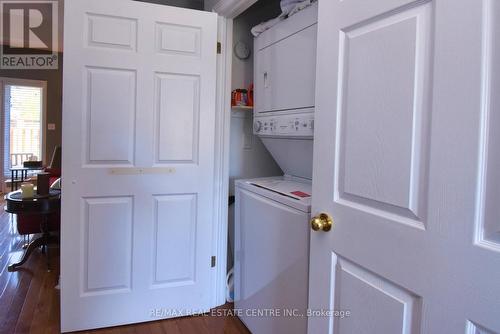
(272, 214)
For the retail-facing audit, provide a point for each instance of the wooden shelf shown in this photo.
(242, 108)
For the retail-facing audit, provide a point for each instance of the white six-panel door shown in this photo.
(138, 159)
(407, 164)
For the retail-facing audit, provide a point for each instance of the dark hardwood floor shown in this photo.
(29, 301)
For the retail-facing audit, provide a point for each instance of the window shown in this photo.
(23, 116)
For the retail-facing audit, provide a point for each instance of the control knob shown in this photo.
(257, 126)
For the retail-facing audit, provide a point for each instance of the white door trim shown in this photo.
(232, 8)
(227, 10)
(221, 180)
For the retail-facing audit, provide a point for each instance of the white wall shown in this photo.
(248, 156)
(263, 10)
(209, 4)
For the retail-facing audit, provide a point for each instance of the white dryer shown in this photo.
(284, 73)
(272, 254)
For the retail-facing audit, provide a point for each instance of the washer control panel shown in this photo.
(292, 125)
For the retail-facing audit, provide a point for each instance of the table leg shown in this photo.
(26, 241)
(42, 241)
(32, 246)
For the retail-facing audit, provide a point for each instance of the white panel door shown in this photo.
(405, 163)
(138, 162)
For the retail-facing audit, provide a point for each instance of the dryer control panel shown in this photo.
(291, 125)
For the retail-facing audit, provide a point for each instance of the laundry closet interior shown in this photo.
(271, 153)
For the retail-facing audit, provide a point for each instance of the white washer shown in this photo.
(272, 254)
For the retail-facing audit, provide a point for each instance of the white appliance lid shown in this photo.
(296, 190)
(287, 190)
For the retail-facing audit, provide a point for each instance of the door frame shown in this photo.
(227, 11)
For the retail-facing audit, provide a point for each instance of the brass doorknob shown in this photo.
(323, 222)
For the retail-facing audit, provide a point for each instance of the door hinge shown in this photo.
(213, 261)
(219, 48)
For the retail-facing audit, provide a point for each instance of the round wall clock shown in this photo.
(241, 50)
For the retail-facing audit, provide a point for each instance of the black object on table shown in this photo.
(42, 183)
(15, 179)
(38, 205)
